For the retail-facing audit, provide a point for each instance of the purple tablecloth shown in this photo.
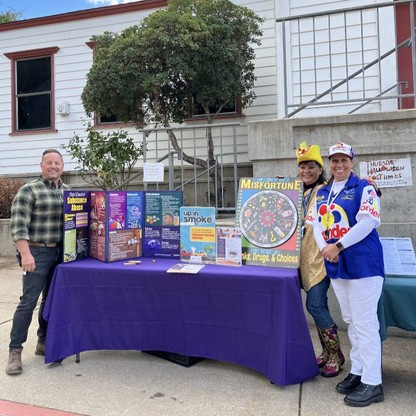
(252, 316)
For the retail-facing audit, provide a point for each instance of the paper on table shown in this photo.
(186, 268)
(399, 256)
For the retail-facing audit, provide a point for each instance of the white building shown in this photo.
(56, 49)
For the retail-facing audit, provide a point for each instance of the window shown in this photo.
(107, 120)
(32, 90)
(232, 109)
(99, 120)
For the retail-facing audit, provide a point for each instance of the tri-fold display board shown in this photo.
(119, 225)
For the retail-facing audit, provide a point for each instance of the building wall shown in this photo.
(374, 136)
(20, 155)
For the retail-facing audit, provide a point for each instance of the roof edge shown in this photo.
(84, 14)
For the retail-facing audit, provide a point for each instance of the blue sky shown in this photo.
(39, 8)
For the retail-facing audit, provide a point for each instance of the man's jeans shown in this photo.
(317, 304)
(34, 284)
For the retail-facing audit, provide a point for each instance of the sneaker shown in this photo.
(14, 366)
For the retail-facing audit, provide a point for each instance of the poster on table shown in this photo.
(116, 225)
(76, 233)
(229, 246)
(198, 241)
(269, 216)
(161, 231)
(388, 173)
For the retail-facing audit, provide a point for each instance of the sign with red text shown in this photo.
(388, 173)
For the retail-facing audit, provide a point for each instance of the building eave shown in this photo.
(85, 14)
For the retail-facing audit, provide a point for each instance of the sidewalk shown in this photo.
(131, 383)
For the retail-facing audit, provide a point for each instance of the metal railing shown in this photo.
(215, 182)
(347, 57)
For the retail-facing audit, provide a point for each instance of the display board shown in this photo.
(116, 225)
(268, 213)
(198, 243)
(161, 232)
(121, 225)
(76, 221)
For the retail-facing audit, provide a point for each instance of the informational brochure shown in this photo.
(229, 246)
(198, 243)
(399, 256)
(186, 268)
(268, 213)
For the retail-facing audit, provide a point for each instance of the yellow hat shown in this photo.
(307, 152)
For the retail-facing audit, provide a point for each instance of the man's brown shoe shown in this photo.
(15, 362)
(40, 348)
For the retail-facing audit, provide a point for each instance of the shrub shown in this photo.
(109, 158)
(8, 190)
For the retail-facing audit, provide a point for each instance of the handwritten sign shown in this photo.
(153, 172)
(388, 173)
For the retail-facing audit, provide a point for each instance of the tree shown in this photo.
(110, 158)
(199, 50)
(9, 16)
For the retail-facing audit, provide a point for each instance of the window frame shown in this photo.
(29, 55)
(234, 114)
(97, 117)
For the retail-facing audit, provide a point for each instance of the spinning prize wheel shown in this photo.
(268, 219)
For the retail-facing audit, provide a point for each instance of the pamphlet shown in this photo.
(229, 246)
(186, 268)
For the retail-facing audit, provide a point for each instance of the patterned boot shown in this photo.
(336, 358)
(323, 357)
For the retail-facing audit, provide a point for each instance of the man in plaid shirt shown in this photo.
(37, 228)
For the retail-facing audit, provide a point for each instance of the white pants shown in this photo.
(358, 299)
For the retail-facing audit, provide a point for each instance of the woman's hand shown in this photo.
(330, 253)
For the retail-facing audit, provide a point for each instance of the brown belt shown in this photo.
(49, 245)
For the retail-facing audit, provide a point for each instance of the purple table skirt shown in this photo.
(252, 316)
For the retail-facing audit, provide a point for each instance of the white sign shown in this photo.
(388, 173)
(399, 256)
(153, 172)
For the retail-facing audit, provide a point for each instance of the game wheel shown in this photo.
(268, 219)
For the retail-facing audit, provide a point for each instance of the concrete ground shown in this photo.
(132, 383)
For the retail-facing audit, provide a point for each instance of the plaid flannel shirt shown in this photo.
(37, 212)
